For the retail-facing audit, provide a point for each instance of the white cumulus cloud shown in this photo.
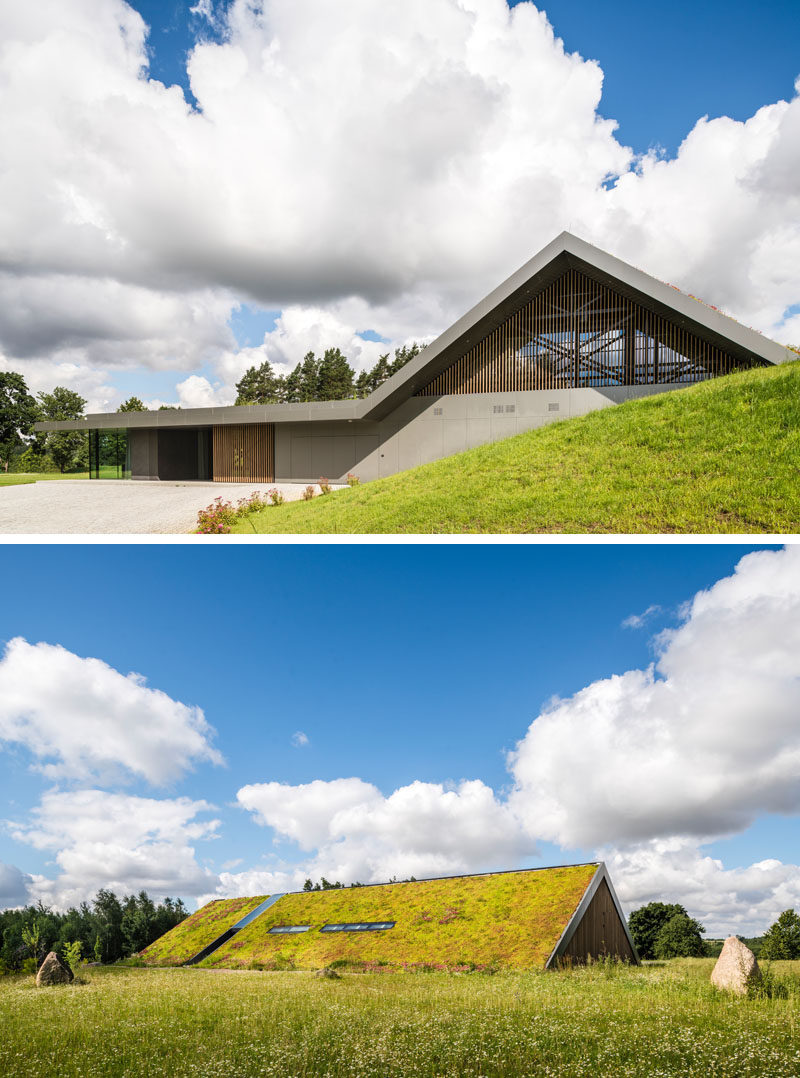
(81, 719)
(117, 841)
(699, 744)
(357, 833)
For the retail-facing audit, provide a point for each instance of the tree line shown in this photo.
(665, 930)
(328, 378)
(106, 930)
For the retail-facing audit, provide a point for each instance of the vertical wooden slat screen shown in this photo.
(244, 454)
(578, 333)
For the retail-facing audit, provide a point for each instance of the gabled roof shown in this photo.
(568, 252)
(518, 919)
(564, 252)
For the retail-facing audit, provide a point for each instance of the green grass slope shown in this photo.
(184, 940)
(510, 919)
(721, 456)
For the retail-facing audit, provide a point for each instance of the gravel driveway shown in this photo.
(109, 507)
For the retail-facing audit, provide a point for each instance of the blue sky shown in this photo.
(399, 664)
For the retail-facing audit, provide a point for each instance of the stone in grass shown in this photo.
(331, 974)
(53, 971)
(736, 967)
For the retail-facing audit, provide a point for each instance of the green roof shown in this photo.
(184, 940)
(511, 919)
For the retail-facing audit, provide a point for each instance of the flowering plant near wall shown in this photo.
(216, 519)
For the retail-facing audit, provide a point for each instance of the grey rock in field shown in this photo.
(328, 972)
(53, 971)
(736, 967)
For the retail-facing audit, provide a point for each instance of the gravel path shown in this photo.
(109, 507)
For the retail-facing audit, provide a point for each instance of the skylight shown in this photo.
(279, 929)
(359, 926)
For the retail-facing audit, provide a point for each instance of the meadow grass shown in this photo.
(602, 1020)
(721, 456)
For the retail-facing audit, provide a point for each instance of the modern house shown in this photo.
(573, 330)
(525, 919)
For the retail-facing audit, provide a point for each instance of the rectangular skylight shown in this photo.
(278, 929)
(359, 926)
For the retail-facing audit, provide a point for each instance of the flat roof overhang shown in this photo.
(232, 415)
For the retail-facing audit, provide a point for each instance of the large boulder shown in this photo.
(53, 971)
(736, 967)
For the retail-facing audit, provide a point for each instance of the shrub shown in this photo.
(324, 485)
(276, 496)
(680, 937)
(72, 955)
(308, 493)
(216, 518)
(352, 480)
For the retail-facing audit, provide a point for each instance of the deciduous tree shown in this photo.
(782, 939)
(18, 413)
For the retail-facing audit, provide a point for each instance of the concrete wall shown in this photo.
(423, 429)
(419, 430)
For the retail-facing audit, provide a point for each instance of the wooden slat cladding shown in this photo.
(600, 932)
(578, 333)
(244, 454)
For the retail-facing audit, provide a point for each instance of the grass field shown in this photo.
(641, 1023)
(15, 479)
(722, 456)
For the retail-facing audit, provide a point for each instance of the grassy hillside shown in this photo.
(721, 456)
(510, 919)
(651, 1022)
(190, 936)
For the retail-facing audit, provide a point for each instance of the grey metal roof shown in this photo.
(564, 252)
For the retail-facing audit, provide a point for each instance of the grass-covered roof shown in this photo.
(510, 919)
(184, 940)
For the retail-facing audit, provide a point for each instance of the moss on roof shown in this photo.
(184, 940)
(511, 919)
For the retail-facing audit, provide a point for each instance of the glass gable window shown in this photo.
(359, 926)
(288, 929)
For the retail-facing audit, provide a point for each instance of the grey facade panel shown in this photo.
(143, 450)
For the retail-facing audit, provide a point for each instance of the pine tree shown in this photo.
(335, 377)
(308, 389)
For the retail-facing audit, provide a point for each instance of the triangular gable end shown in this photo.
(597, 928)
(680, 314)
(579, 333)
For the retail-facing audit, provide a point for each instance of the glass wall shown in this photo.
(109, 454)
